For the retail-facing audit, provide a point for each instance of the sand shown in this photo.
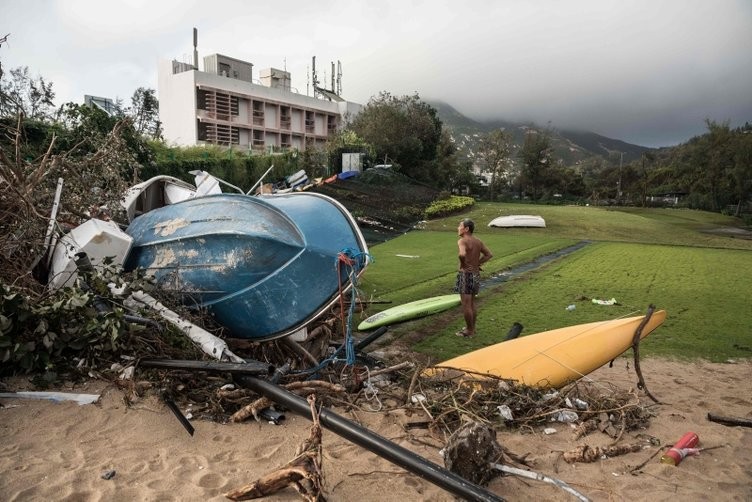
(59, 451)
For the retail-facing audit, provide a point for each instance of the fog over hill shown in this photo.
(572, 147)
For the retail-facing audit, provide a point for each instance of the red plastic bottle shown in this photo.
(677, 453)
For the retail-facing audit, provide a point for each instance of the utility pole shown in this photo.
(621, 161)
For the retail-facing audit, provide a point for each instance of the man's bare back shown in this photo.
(471, 252)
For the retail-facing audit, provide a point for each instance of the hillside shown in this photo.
(572, 147)
(384, 202)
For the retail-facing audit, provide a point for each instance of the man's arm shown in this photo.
(485, 254)
(462, 253)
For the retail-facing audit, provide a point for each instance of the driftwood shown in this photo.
(305, 387)
(391, 369)
(586, 428)
(302, 473)
(743, 422)
(636, 349)
(587, 453)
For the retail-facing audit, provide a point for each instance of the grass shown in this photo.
(421, 263)
(638, 256)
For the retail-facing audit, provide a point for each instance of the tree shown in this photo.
(405, 130)
(449, 173)
(535, 155)
(20, 94)
(742, 169)
(713, 160)
(145, 113)
(644, 175)
(494, 152)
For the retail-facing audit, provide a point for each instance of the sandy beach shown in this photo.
(60, 451)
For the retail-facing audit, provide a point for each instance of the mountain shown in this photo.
(572, 147)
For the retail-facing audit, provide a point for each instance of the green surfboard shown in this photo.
(412, 310)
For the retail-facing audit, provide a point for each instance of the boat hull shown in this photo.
(518, 220)
(557, 357)
(264, 267)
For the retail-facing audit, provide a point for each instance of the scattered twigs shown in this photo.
(635, 469)
(731, 421)
(636, 349)
(391, 369)
(450, 401)
(302, 473)
(411, 387)
(540, 477)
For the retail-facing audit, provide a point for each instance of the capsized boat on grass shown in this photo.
(557, 357)
(518, 220)
(264, 266)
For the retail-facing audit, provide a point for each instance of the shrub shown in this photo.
(445, 207)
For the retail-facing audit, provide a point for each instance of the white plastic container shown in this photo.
(98, 239)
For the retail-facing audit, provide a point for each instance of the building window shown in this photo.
(218, 134)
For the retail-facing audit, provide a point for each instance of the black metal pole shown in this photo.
(247, 368)
(361, 436)
(370, 338)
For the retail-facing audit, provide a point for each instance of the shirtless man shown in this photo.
(472, 254)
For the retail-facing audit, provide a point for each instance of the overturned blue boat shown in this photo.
(264, 266)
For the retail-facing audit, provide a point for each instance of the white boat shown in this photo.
(155, 193)
(164, 190)
(518, 220)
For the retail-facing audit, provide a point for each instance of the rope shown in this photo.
(354, 261)
(371, 393)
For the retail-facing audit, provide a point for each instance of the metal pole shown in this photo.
(361, 436)
(260, 179)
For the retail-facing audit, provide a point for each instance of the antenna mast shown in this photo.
(339, 77)
(195, 48)
(314, 78)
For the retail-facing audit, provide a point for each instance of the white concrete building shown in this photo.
(223, 106)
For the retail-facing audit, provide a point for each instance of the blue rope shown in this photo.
(359, 259)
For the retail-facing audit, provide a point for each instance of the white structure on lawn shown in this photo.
(222, 105)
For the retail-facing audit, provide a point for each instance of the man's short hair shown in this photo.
(469, 224)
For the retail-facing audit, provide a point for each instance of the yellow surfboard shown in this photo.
(557, 357)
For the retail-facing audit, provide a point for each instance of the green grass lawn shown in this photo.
(637, 256)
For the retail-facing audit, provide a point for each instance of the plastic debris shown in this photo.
(549, 430)
(417, 398)
(505, 412)
(108, 474)
(571, 307)
(612, 301)
(580, 404)
(54, 396)
(550, 395)
(565, 416)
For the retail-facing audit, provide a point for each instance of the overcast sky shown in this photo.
(644, 71)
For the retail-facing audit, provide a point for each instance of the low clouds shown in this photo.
(642, 71)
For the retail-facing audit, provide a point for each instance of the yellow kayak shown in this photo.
(557, 357)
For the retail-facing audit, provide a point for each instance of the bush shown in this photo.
(445, 207)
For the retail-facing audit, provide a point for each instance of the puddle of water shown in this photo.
(526, 267)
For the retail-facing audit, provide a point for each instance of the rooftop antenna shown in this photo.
(314, 78)
(195, 48)
(284, 64)
(339, 77)
(333, 89)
